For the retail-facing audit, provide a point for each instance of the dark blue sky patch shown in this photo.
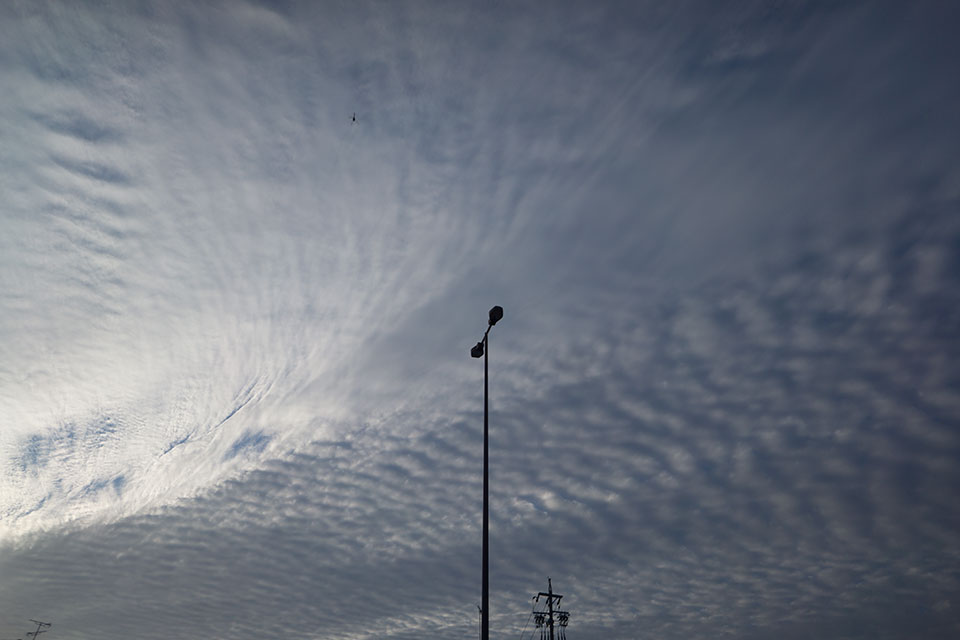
(241, 400)
(116, 483)
(38, 450)
(94, 487)
(234, 411)
(35, 507)
(34, 453)
(102, 428)
(249, 442)
(176, 443)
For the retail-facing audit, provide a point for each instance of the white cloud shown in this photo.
(235, 397)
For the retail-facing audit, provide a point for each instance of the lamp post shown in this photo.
(482, 349)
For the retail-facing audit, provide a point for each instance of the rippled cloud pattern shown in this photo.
(236, 397)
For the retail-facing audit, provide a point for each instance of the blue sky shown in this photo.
(236, 397)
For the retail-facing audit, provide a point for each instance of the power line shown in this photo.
(524, 630)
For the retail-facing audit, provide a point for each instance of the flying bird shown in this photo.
(354, 120)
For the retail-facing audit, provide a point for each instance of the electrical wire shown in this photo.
(529, 618)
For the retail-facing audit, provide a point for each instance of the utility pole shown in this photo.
(546, 621)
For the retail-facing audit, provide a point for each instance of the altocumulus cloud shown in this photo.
(235, 396)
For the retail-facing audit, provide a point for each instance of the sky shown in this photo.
(236, 393)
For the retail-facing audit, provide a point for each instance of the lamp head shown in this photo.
(496, 314)
(477, 350)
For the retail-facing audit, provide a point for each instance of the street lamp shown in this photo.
(482, 348)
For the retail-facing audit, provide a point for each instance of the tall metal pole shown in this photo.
(481, 349)
(485, 598)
